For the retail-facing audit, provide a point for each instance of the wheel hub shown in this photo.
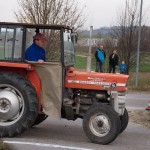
(100, 125)
(9, 104)
(4, 105)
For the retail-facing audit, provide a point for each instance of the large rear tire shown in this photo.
(101, 124)
(124, 120)
(40, 118)
(18, 104)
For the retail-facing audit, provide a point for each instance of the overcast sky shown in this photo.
(98, 13)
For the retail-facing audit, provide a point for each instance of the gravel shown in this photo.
(141, 117)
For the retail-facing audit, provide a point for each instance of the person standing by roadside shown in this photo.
(123, 67)
(113, 61)
(100, 57)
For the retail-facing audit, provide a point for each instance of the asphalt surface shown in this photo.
(55, 134)
(137, 100)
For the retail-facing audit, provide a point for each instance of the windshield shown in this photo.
(68, 49)
(10, 43)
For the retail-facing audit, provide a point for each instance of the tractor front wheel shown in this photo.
(124, 120)
(101, 124)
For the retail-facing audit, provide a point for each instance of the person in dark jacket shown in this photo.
(113, 61)
(36, 52)
(100, 57)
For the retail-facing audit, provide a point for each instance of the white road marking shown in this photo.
(138, 98)
(135, 108)
(46, 145)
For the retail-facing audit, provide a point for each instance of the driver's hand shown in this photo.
(40, 61)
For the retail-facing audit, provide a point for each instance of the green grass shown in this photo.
(144, 67)
(2, 145)
(143, 81)
(80, 62)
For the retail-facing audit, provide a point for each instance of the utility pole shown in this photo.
(89, 58)
(138, 46)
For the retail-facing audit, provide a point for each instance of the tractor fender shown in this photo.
(33, 77)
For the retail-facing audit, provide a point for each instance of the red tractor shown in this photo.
(30, 92)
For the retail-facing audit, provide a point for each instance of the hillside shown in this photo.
(101, 32)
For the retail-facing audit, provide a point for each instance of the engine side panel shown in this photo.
(96, 81)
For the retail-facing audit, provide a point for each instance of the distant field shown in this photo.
(143, 82)
(81, 63)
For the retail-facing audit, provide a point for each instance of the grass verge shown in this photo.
(2, 147)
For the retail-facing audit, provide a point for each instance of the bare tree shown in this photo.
(50, 12)
(126, 33)
(66, 12)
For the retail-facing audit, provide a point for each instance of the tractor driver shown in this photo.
(36, 52)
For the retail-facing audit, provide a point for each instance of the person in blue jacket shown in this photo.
(36, 52)
(123, 67)
(100, 57)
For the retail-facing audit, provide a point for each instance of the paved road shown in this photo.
(137, 101)
(58, 135)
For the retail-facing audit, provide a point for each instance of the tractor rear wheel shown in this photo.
(18, 104)
(101, 124)
(40, 118)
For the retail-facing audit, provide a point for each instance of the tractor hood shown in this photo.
(95, 80)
